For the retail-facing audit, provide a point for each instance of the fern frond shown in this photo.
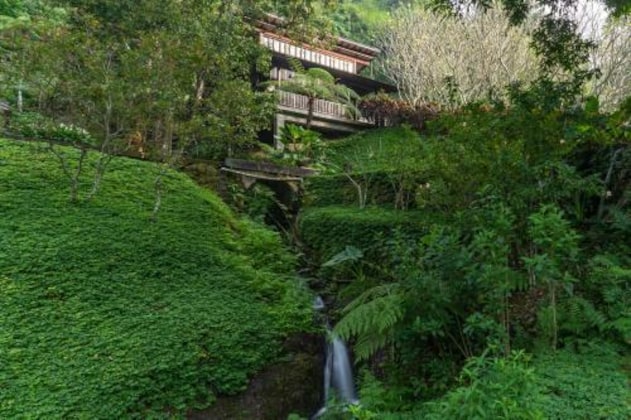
(371, 318)
(579, 315)
(321, 75)
(369, 344)
(372, 293)
(296, 65)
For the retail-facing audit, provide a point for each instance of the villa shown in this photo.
(345, 60)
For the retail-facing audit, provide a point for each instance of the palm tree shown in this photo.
(316, 83)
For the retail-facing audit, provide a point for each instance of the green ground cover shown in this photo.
(106, 314)
(376, 150)
(566, 384)
(328, 230)
(386, 163)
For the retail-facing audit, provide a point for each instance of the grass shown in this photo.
(106, 314)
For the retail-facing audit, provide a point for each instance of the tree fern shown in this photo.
(371, 318)
(316, 84)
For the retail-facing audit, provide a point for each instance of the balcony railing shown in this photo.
(320, 57)
(320, 107)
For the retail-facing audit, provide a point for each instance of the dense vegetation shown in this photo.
(477, 260)
(108, 314)
(515, 238)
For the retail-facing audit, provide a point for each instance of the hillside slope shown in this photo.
(106, 314)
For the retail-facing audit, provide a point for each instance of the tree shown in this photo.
(149, 71)
(556, 39)
(165, 73)
(453, 60)
(612, 58)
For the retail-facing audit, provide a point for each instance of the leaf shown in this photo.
(350, 253)
(372, 321)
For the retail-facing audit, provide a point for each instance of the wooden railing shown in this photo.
(320, 106)
(321, 57)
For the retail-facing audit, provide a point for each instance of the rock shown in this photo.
(291, 386)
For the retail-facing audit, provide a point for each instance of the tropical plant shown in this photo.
(491, 387)
(301, 145)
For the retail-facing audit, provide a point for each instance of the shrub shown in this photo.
(492, 388)
(380, 167)
(32, 125)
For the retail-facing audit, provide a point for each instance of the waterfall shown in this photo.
(338, 371)
(318, 303)
(341, 375)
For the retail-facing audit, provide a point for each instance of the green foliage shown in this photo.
(316, 83)
(377, 150)
(583, 385)
(301, 146)
(362, 20)
(254, 202)
(201, 99)
(607, 285)
(371, 318)
(525, 242)
(382, 163)
(411, 271)
(556, 252)
(350, 253)
(497, 388)
(329, 230)
(107, 314)
(29, 14)
(34, 126)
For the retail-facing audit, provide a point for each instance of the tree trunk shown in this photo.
(310, 106)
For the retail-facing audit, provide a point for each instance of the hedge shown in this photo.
(328, 230)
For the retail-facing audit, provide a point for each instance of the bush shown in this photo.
(337, 189)
(383, 163)
(493, 388)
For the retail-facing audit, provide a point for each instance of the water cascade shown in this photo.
(338, 371)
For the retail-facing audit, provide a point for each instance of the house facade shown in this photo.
(344, 59)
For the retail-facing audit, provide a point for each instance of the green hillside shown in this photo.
(107, 314)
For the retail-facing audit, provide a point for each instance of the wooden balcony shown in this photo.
(329, 117)
(322, 109)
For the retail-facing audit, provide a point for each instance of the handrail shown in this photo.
(320, 106)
